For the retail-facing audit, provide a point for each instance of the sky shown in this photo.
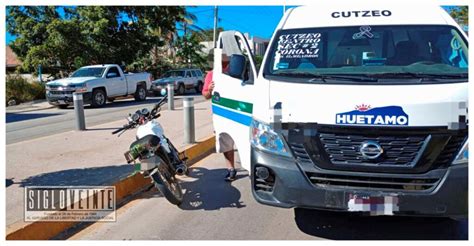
(258, 21)
(243, 18)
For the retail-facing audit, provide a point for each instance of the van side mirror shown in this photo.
(237, 66)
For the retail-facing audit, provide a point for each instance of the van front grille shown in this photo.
(405, 150)
(345, 149)
(375, 183)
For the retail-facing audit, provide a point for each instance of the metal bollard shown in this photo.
(188, 109)
(171, 96)
(79, 111)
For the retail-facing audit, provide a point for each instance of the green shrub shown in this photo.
(20, 90)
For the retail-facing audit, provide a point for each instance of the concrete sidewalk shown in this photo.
(29, 106)
(93, 157)
(212, 209)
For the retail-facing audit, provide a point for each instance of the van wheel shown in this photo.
(199, 87)
(99, 98)
(140, 94)
(181, 89)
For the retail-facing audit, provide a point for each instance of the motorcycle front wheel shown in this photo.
(167, 184)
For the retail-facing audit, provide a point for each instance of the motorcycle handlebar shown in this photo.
(157, 105)
(125, 127)
(117, 131)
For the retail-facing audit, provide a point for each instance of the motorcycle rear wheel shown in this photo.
(167, 184)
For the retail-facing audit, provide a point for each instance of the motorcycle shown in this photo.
(157, 156)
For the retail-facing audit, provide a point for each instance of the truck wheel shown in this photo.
(140, 94)
(181, 89)
(99, 99)
(199, 87)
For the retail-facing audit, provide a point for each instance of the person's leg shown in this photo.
(229, 158)
(225, 145)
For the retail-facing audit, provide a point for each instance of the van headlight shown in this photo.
(463, 156)
(263, 137)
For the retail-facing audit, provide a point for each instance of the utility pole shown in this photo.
(214, 37)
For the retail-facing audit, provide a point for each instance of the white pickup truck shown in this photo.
(98, 83)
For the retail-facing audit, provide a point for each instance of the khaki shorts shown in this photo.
(224, 143)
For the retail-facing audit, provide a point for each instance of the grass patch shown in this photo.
(20, 90)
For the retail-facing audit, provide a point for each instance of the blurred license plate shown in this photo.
(376, 205)
(61, 102)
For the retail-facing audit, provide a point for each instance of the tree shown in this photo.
(189, 51)
(460, 14)
(206, 35)
(186, 25)
(30, 25)
(74, 36)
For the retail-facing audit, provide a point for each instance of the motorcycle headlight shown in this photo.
(263, 137)
(463, 156)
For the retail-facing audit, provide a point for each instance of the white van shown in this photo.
(357, 108)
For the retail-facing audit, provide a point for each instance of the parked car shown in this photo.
(98, 83)
(183, 80)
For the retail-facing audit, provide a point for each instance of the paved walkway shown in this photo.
(29, 106)
(93, 157)
(217, 210)
(212, 210)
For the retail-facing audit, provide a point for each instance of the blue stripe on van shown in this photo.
(231, 115)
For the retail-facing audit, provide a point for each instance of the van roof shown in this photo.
(365, 13)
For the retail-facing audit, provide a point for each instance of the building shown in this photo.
(12, 62)
(257, 45)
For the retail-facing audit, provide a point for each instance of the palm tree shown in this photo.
(186, 24)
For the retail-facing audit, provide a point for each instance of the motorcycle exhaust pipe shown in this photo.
(181, 169)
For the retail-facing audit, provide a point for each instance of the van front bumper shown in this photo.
(291, 186)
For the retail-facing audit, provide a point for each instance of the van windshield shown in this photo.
(173, 74)
(368, 54)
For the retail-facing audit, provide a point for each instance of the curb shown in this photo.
(42, 230)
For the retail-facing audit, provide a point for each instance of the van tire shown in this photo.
(181, 90)
(99, 98)
(140, 93)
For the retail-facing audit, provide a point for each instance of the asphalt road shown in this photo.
(28, 125)
(214, 209)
